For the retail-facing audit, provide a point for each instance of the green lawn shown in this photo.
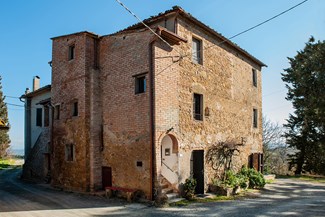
(311, 178)
(202, 200)
(5, 163)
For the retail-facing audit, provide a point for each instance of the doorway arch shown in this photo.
(169, 158)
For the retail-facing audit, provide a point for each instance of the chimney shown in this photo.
(27, 91)
(36, 81)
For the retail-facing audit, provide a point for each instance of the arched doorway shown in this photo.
(169, 159)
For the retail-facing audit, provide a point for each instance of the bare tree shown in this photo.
(274, 148)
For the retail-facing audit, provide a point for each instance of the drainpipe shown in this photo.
(152, 117)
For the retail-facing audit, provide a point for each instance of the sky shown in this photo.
(27, 26)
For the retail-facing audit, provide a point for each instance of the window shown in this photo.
(140, 84)
(254, 75)
(69, 152)
(46, 116)
(71, 52)
(39, 117)
(139, 163)
(57, 112)
(197, 106)
(255, 116)
(196, 51)
(167, 151)
(75, 109)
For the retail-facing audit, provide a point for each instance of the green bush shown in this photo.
(256, 179)
(234, 180)
(189, 188)
(231, 179)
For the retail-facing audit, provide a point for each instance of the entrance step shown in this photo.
(167, 191)
(172, 196)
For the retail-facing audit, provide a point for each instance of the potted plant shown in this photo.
(189, 188)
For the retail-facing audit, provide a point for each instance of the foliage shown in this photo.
(231, 179)
(305, 81)
(189, 188)
(244, 178)
(4, 137)
(6, 163)
(220, 156)
(274, 148)
(255, 178)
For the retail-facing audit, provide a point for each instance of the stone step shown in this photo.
(172, 196)
(167, 191)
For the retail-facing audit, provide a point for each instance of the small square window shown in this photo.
(140, 84)
(69, 152)
(139, 164)
(254, 77)
(71, 52)
(196, 51)
(46, 116)
(167, 152)
(255, 117)
(198, 106)
(39, 118)
(57, 112)
(75, 109)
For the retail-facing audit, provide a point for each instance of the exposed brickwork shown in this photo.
(113, 128)
(126, 114)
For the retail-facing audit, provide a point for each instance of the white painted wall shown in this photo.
(36, 130)
(171, 161)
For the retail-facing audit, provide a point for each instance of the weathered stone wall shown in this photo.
(225, 80)
(70, 83)
(126, 115)
(35, 166)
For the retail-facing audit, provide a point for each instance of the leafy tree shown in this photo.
(305, 81)
(4, 137)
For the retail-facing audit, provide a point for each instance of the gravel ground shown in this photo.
(285, 197)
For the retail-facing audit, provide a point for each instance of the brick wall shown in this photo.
(71, 83)
(126, 116)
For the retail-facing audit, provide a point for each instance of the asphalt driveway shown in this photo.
(285, 197)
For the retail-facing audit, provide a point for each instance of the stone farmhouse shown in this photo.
(133, 111)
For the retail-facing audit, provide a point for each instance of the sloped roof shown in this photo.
(91, 34)
(39, 91)
(188, 16)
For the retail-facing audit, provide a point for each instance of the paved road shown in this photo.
(283, 198)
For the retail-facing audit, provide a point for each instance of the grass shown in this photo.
(202, 200)
(8, 163)
(310, 178)
(5, 163)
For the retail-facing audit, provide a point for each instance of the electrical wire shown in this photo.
(14, 97)
(255, 26)
(268, 20)
(15, 105)
(133, 14)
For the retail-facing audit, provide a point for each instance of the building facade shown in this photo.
(37, 131)
(131, 109)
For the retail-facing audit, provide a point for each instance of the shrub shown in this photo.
(189, 188)
(231, 179)
(256, 179)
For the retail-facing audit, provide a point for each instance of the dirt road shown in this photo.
(284, 198)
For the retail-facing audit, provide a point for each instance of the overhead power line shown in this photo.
(13, 97)
(257, 25)
(133, 14)
(15, 105)
(268, 20)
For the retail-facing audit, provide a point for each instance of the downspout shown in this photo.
(152, 117)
